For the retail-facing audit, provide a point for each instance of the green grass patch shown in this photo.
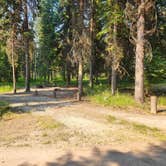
(162, 101)
(118, 100)
(139, 128)
(5, 88)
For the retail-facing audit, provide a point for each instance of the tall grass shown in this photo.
(118, 100)
(102, 95)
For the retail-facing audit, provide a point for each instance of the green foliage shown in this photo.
(5, 72)
(156, 69)
(45, 29)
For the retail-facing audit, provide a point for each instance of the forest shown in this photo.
(82, 82)
(112, 40)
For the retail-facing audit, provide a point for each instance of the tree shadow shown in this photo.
(41, 107)
(24, 102)
(153, 156)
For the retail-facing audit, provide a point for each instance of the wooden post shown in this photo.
(35, 93)
(153, 103)
(78, 96)
(54, 93)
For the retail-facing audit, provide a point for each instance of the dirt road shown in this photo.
(90, 139)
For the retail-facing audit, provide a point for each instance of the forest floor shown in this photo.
(63, 132)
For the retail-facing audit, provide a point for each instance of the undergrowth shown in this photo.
(102, 95)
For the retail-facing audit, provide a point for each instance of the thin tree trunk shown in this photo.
(27, 68)
(109, 76)
(80, 78)
(92, 45)
(13, 69)
(91, 72)
(68, 75)
(27, 64)
(113, 81)
(80, 58)
(114, 72)
(35, 69)
(139, 65)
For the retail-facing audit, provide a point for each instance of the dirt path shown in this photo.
(93, 141)
(28, 102)
(97, 156)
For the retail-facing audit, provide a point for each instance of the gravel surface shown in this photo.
(85, 127)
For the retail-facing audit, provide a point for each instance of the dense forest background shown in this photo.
(84, 43)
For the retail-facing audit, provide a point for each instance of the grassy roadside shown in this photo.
(124, 98)
(138, 128)
(102, 95)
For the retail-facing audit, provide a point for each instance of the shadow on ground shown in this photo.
(23, 102)
(153, 156)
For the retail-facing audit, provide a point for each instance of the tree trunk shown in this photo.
(91, 73)
(80, 54)
(109, 76)
(139, 65)
(13, 69)
(114, 72)
(113, 81)
(27, 64)
(68, 75)
(92, 45)
(80, 78)
(27, 68)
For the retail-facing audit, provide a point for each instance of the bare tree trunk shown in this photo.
(68, 75)
(92, 45)
(80, 58)
(27, 68)
(27, 64)
(114, 72)
(80, 78)
(109, 76)
(113, 81)
(139, 65)
(13, 69)
(35, 69)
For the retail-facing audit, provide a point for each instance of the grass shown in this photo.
(162, 101)
(102, 95)
(48, 123)
(10, 115)
(5, 88)
(139, 128)
(8, 86)
(119, 100)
